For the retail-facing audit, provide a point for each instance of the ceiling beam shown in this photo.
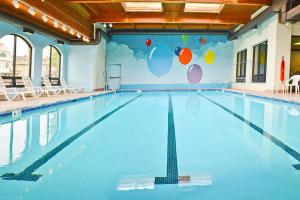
(91, 8)
(152, 18)
(234, 2)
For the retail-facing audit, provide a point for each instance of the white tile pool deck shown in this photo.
(280, 96)
(7, 106)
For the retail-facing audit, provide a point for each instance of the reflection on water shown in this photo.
(15, 135)
(49, 125)
(13, 140)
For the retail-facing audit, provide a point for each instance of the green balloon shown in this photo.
(185, 38)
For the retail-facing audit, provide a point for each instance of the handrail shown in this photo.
(226, 85)
(109, 86)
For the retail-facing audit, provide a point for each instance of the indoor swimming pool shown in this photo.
(153, 145)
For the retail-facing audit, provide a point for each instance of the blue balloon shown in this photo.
(177, 50)
(160, 60)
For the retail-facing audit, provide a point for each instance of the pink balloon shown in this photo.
(194, 74)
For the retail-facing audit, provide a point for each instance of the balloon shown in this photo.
(177, 50)
(185, 38)
(209, 57)
(148, 42)
(185, 56)
(194, 74)
(202, 40)
(160, 60)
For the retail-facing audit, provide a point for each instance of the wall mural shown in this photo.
(171, 59)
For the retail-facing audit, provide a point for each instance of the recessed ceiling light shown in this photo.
(45, 18)
(203, 7)
(142, 6)
(16, 3)
(64, 28)
(31, 11)
(55, 23)
(71, 32)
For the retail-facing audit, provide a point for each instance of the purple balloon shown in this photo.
(194, 74)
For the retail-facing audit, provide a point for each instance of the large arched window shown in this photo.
(15, 59)
(51, 64)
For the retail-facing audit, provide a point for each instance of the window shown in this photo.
(142, 6)
(241, 64)
(15, 59)
(203, 7)
(259, 63)
(51, 64)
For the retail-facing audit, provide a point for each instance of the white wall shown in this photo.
(86, 65)
(38, 43)
(279, 44)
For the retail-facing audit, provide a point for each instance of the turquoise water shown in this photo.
(126, 140)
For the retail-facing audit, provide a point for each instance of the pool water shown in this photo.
(154, 145)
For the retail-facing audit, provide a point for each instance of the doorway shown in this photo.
(295, 56)
(114, 76)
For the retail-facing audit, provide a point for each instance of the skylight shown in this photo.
(203, 7)
(142, 6)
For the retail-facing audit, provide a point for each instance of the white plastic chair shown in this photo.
(9, 93)
(295, 83)
(55, 90)
(70, 88)
(30, 89)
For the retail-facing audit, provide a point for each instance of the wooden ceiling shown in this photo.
(82, 14)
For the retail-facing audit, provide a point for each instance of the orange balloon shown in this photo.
(185, 56)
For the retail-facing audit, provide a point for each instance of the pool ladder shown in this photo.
(226, 85)
(108, 86)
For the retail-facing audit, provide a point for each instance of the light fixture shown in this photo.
(297, 43)
(71, 32)
(28, 31)
(110, 25)
(142, 6)
(55, 23)
(64, 28)
(31, 11)
(104, 25)
(59, 42)
(86, 39)
(45, 18)
(16, 4)
(203, 7)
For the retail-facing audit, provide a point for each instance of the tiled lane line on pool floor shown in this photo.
(172, 167)
(27, 174)
(272, 138)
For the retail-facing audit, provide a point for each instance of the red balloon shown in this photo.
(185, 56)
(148, 42)
(203, 40)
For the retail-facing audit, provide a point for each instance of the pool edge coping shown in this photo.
(27, 109)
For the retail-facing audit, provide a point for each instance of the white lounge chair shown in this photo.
(295, 83)
(70, 88)
(30, 89)
(55, 90)
(9, 93)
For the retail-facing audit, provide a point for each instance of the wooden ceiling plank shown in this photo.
(242, 2)
(192, 19)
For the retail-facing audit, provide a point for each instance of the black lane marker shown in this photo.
(27, 174)
(172, 168)
(273, 139)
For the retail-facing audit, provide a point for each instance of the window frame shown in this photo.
(240, 63)
(50, 65)
(14, 78)
(259, 78)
